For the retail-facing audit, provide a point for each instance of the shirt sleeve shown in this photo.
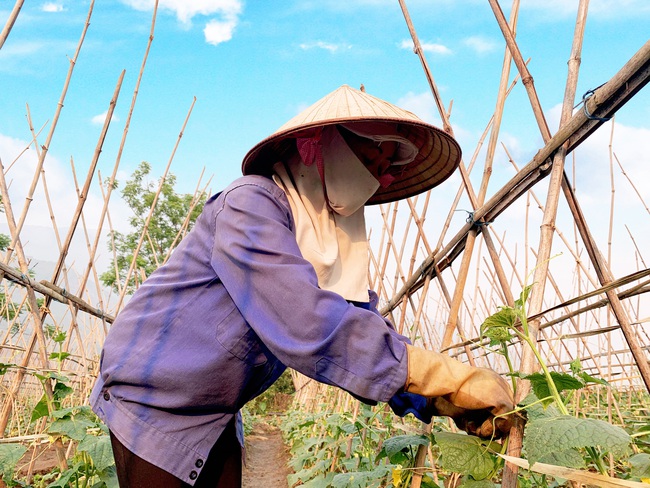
(313, 331)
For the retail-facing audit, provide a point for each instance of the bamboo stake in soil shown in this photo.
(4, 415)
(37, 323)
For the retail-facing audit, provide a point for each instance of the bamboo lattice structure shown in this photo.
(438, 277)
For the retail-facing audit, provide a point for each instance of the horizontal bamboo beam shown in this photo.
(52, 291)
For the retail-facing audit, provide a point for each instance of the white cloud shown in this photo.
(480, 44)
(52, 7)
(328, 46)
(428, 47)
(216, 30)
(20, 165)
(100, 118)
(422, 105)
(185, 10)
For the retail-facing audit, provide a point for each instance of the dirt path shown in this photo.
(266, 458)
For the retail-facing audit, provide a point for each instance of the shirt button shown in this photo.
(193, 475)
(107, 396)
(198, 463)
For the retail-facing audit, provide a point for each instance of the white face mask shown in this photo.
(348, 182)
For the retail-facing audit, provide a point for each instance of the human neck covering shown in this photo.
(331, 231)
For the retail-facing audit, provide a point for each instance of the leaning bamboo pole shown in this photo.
(36, 319)
(6, 412)
(606, 100)
(111, 182)
(11, 20)
(48, 140)
(560, 180)
(153, 207)
(453, 323)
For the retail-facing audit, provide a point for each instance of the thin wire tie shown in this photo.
(588, 94)
(470, 219)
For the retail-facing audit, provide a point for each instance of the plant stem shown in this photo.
(592, 451)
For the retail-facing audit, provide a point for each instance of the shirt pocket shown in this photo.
(237, 337)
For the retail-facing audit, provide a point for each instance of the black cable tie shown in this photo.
(588, 94)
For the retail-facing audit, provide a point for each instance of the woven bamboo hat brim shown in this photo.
(439, 154)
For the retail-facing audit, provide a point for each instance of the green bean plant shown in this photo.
(92, 465)
(553, 435)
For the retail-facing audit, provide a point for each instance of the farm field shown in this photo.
(531, 259)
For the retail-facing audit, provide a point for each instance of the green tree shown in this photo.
(169, 216)
(5, 240)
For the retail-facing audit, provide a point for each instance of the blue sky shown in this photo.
(254, 64)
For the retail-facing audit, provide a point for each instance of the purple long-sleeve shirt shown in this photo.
(217, 324)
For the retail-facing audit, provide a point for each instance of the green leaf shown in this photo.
(362, 479)
(545, 436)
(400, 443)
(498, 335)
(464, 454)
(523, 297)
(99, 449)
(562, 382)
(58, 377)
(4, 367)
(10, 454)
(59, 356)
(77, 410)
(569, 459)
(59, 337)
(74, 428)
(640, 465)
(590, 379)
(576, 366)
(538, 410)
(40, 410)
(61, 390)
(109, 477)
(64, 481)
(504, 318)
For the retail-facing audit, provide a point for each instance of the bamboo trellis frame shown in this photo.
(411, 269)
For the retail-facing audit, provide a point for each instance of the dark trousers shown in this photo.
(222, 469)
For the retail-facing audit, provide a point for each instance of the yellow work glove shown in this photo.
(472, 396)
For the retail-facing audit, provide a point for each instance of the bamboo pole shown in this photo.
(10, 21)
(38, 324)
(453, 322)
(4, 415)
(48, 140)
(153, 206)
(73, 325)
(606, 100)
(118, 158)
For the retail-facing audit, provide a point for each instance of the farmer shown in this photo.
(273, 275)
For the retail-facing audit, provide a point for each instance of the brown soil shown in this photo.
(44, 460)
(266, 458)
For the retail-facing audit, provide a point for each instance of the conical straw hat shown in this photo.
(439, 154)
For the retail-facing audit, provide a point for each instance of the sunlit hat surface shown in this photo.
(439, 154)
